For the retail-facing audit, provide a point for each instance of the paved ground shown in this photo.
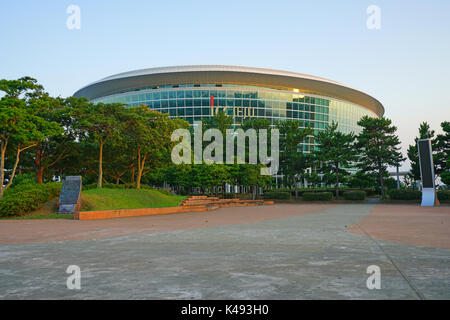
(289, 253)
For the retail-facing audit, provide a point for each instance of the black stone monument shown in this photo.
(70, 197)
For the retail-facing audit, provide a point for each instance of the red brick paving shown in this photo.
(409, 224)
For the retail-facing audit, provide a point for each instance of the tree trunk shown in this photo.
(138, 180)
(2, 167)
(40, 175)
(295, 188)
(100, 166)
(383, 193)
(336, 186)
(39, 169)
(14, 169)
(141, 165)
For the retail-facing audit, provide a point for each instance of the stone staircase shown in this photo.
(213, 203)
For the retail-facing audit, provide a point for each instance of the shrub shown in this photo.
(443, 195)
(277, 195)
(404, 194)
(163, 191)
(355, 195)
(24, 178)
(312, 196)
(27, 197)
(115, 186)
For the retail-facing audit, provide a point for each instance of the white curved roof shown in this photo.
(144, 78)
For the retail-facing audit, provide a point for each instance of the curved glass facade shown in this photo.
(193, 102)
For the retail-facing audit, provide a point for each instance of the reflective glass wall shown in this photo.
(193, 102)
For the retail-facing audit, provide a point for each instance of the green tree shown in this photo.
(21, 127)
(292, 160)
(150, 132)
(443, 152)
(335, 153)
(102, 122)
(60, 146)
(378, 147)
(425, 132)
(363, 180)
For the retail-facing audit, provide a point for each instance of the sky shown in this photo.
(405, 64)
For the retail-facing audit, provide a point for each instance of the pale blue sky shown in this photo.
(405, 64)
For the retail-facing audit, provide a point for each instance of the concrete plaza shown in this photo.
(285, 251)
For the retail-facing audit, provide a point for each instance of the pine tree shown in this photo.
(378, 147)
(335, 153)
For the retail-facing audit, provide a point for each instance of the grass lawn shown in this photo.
(110, 199)
(106, 199)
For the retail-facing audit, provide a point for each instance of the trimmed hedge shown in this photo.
(277, 195)
(354, 195)
(404, 194)
(312, 196)
(443, 195)
(27, 197)
(369, 191)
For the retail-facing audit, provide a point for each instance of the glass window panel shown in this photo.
(188, 102)
(206, 111)
(181, 112)
(156, 95)
(261, 112)
(156, 104)
(260, 103)
(164, 103)
(149, 96)
(230, 102)
(188, 93)
(165, 95)
(180, 103)
(197, 94)
(198, 111)
(189, 111)
(205, 93)
(172, 103)
(205, 102)
(180, 94)
(197, 102)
